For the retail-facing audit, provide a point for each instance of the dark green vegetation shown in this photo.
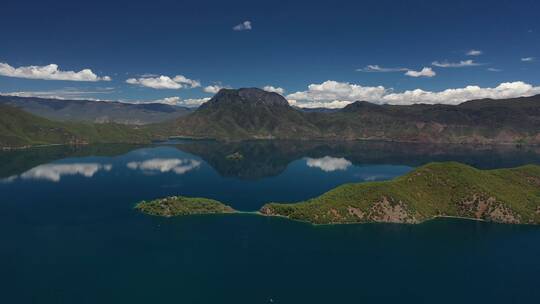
(96, 111)
(22, 129)
(181, 205)
(434, 190)
(254, 114)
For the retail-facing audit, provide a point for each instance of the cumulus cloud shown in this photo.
(278, 90)
(376, 68)
(474, 52)
(194, 102)
(54, 172)
(212, 89)
(527, 59)
(328, 163)
(49, 72)
(425, 72)
(177, 101)
(165, 82)
(186, 81)
(461, 64)
(164, 165)
(334, 104)
(244, 26)
(457, 96)
(338, 93)
(373, 68)
(333, 94)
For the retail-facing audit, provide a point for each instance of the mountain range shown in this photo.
(256, 114)
(96, 111)
(22, 129)
(251, 113)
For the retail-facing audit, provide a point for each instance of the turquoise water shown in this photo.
(69, 233)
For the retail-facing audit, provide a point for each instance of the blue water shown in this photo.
(69, 233)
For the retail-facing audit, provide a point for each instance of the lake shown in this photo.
(69, 233)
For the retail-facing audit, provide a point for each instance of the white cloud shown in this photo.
(377, 68)
(49, 72)
(474, 52)
(183, 80)
(278, 90)
(194, 102)
(163, 165)
(337, 92)
(212, 89)
(328, 163)
(494, 70)
(425, 72)
(373, 68)
(146, 75)
(244, 26)
(54, 172)
(333, 94)
(461, 64)
(172, 101)
(527, 59)
(177, 101)
(335, 104)
(165, 82)
(456, 96)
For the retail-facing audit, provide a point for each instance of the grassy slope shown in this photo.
(18, 128)
(181, 205)
(436, 189)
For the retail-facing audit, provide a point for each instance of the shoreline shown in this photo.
(260, 214)
(343, 140)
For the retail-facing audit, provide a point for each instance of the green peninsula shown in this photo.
(181, 205)
(435, 190)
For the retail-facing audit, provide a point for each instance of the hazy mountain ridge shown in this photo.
(22, 129)
(96, 111)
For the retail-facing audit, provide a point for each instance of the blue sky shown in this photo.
(286, 45)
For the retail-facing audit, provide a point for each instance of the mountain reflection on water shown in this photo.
(260, 159)
(268, 158)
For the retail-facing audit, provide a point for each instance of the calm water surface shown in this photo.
(70, 235)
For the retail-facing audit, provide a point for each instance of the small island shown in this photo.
(235, 156)
(181, 205)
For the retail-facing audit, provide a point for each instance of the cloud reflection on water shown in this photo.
(328, 163)
(163, 165)
(55, 172)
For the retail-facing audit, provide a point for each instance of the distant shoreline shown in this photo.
(498, 144)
